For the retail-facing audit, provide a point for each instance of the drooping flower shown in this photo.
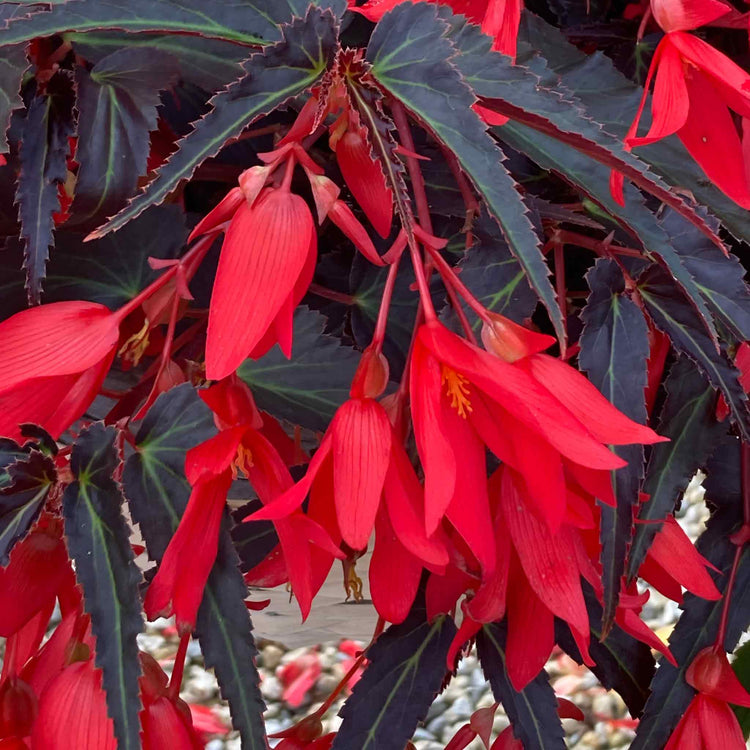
(709, 723)
(209, 467)
(534, 412)
(695, 88)
(54, 362)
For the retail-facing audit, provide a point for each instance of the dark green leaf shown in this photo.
(614, 353)
(410, 57)
(688, 419)
(741, 667)
(99, 543)
(673, 315)
(533, 711)
(24, 485)
(244, 21)
(48, 125)
(622, 663)
(252, 541)
(308, 388)
(515, 91)
(158, 492)
(695, 630)
(116, 104)
(208, 63)
(405, 671)
(720, 278)
(272, 77)
(113, 269)
(12, 64)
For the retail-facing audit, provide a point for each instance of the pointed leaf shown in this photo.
(24, 485)
(308, 388)
(410, 53)
(741, 667)
(515, 91)
(272, 77)
(673, 315)
(252, 541)
(696, 629)
(157, 492)
(405, 671)
(99, 543)
(622, 663)
(688, 419)
(13, 64)
(116, 104)
(614, 352)
(247, 22)
(49, 123)
(533, 711)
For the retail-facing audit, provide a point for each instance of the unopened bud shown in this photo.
(510, 341)
(371, 377)
(252, 182)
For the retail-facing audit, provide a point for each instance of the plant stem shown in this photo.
(385, 303)
(175, 681)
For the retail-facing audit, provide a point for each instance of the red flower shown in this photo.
(265, 267)
(464, 398)
(695, 88)
(709, 723)
(55, 359)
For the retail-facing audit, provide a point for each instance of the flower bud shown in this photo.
(510, 341)
(371, 377)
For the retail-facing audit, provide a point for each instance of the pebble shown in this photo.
(271, 656)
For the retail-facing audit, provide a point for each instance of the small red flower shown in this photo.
(55, 358)
(265, 267)
(695, 88)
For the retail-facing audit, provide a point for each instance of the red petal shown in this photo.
(711, 674)
(501, 20)
(488, 604)
(467, 630)
(713, 140)
(53, 656)
(673, 551)
(405, 502)
(520, 394)
(341, 215)
(685, 15)
(605, 422)
(61, 338)
(394, 573)
(361, 449)
(596, 483)
(374, 10)
(213, 456)
(632, 624)
(670, 103)
(183, 571)
(433, 440)
(366, 180)
(462, 738)
(73, 712)
(548, 560)
(442, 591)
(165, 726)
(720, 729)
(37, 568)
(687, 733)
(23, 644)
(531, 633)
(264, 253)
(223, 212)
(269, 572)
(232, 402)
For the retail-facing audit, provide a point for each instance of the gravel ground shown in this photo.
(607, 723)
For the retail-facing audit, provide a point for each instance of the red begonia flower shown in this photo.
(711, 674)
(696, 86)
(55, 359)
(708, 724)
(264, 269)
(73, 712)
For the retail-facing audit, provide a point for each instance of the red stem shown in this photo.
(326, 293)
(175, 681)
(385, 303)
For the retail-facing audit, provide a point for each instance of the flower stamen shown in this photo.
(457, 389)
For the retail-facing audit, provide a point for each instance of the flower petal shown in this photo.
(720, 729)
(264, 253)
(221, 213)
(685, 15)
(213, 456)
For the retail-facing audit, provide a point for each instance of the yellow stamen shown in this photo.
(244, 460)
(352, 582)
(135, 347)
(457, 388)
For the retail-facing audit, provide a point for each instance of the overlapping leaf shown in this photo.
(622, 663)
(49, 124)
(308, 388)
(272, 77)
(157, 492)
(410, 57)
(116, 103)
(24, 485)
(614, 352)
(99, 543)
(695, 630)
(405, 671)
(676, 317)
(533, 711)
(688, 419)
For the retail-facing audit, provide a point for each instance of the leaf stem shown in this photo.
(385, 303)
(175, 681)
